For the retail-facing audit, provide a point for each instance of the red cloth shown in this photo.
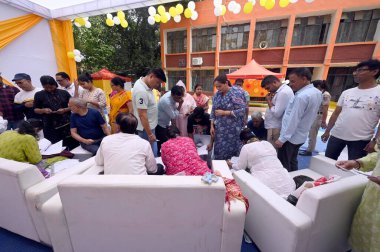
(180, 154)
(233, 191)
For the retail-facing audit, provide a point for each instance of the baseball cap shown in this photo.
(21, 76)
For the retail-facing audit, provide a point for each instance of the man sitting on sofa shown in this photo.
(125, 152)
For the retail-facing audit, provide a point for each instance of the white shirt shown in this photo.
(123, 153)
(261, 159)
(143, 98)
(360, 114)
(71, 89)
(273, 115)
(25, 96)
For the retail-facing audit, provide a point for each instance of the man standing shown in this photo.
(167, 112)
(63, 79)
(24, 100)
(278, 99)
(239, 83)
(7, 96)
(356, 115)
(298, 117)
(145, 106)
(87, 125)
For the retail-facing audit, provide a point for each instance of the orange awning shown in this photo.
(252, 70)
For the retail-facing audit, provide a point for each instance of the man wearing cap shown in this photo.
(24, 99)
(7, 95)
(63, 79)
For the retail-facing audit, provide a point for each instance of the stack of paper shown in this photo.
(46, 148)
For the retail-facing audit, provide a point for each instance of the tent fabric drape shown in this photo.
(13, 28)
(63, 41)
(252, 70)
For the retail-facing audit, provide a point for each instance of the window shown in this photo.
(176, 42)
(235, 37)
(203, 39)
(204, 77)
(338, 80)
(358, 26)
(174, 77)
(272, 32)
(311, 30)
(227, 71)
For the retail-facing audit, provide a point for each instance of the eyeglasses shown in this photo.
(359, 70)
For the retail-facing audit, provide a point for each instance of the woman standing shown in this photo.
(187, 107)
(52, 104)
(94, 96)
(120, 101)
(200, 98)
(227, 119)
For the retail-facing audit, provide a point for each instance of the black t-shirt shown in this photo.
(202, 127)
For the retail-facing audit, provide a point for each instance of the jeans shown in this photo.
(160, 170)
(288, 155)
(162, 137)
(144, 135)
(13, 124)
(355, 148)
(93, 148)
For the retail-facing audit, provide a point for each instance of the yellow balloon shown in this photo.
(224, 9)
(256, 90)
(269, 4)
(179, 8)
(124, 23)
(188, 13)
(121, 15)
(161, 10)
(157, 18)
(80, 21)
(173, 11)
(284, 3)
(71, 55)
(164, 19)
(248, 7)
(263, 2)
(110, 22)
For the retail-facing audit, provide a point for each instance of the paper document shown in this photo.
(43, 144)
(53, 149)
(202, 150)
(64, 164)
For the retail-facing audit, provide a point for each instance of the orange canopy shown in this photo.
(105, 74)
(252, 70)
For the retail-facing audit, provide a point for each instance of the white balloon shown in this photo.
(237, 9)
(82, 57)
(194, 16)
(76, 52)
(252, 1)
(87, 24)
(78, 58)
(116, 20)
(177, 18)
(168, 16)
(85, 18)
(309, 1)
(77, 24)
(152, 11)
(191, 5)
(217, 2)
(231, 6)
(293, 1)
(218, 10)
(109, 16)
(151, 20)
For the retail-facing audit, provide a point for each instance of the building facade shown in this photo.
(329, 37)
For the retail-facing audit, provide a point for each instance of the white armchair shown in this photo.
(319, 222)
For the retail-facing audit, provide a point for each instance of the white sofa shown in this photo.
(23, 191)
(142, 213)
(319, 222)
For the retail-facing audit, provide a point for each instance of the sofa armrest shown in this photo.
(326, 167)
(233, 226)
(272, 222)
(94, 170)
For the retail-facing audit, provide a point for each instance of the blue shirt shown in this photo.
(300, 115)
(166, 110)
(89, 125)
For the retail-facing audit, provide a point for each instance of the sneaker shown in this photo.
(305, 153)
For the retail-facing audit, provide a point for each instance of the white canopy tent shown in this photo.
(70, 9)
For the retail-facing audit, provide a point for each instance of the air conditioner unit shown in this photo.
(197, 61)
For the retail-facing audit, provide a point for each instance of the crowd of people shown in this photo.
(140, 128)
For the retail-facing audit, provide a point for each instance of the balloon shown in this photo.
(269, 4)
(252, 1)
(194, 16)
(81, 21)
(116, 20)
(87, 24)
(188, 13)
(76, 52)
(173, 11)
(109, 16)
(248, 7)
(78, 58)
(217, 2)
(77, 24)
(263, 2)
(179, 8)
(167, 15)
(284, 3)
(237, 8)
(151, 20)
(224, 9)
(231, 6)
(71, 55)
(309, 1)
(293, 1)
(177, 18)
(218, 10)
(164, 19)
(157, 18)
(110, 22)
(161, 10)
(152, 11)
(124, 23)
(191, 5)
(121, 15)
(85, 18)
